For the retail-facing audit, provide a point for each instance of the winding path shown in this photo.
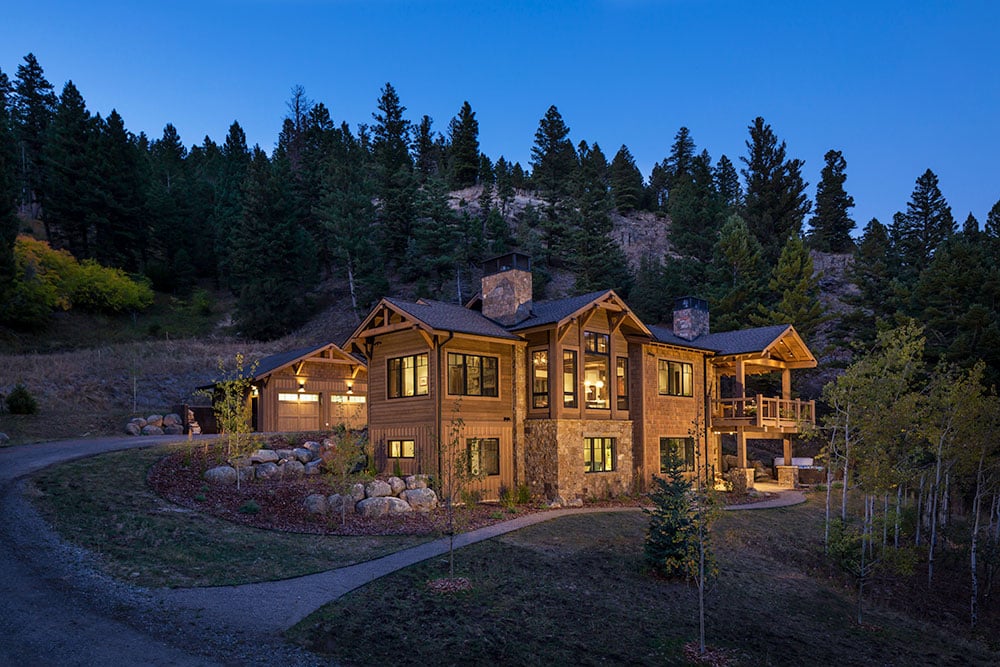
(57, 609)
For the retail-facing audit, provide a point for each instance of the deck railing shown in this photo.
(762, 412)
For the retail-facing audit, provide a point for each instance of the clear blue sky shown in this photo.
(898, 86)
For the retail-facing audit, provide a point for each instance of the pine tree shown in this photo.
(727, 184)
(553, 159)
(34, 105)
(925, 225)
(970, 228)
(648, 296)
(696, 210)
(168, 206)
(626, 181)
(739, 261)
(71, 182)
(667, 537)
(464, 134)
(122, 229)
(832, 225)
(434, 252)
(8, 199)
(599, 262)
(992, 227)
(395, 184)
(680, 161)
(775, 202)
(794, 292)
(229, 195)
(504, 185)
(428, 158)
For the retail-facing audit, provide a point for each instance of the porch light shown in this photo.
(254, 392)
(302, 386)
(350, 388)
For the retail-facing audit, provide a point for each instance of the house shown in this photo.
(575, 397)
(309, 389)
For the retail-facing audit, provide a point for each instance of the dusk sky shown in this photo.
(897, 86)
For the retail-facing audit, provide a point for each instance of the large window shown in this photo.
(408, 376)
(569, 378)
(599, 454)
(540, 379)
(400, 449)
(681, 448)
(484, 456)
(596, 375)
(621, 382)
(472, 375)
(675, 378)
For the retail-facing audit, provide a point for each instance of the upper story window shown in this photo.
(569, 378)
(596, 369)
(540, 379)
(675, 378)
(472, 375)
(407, 376)
(621, 382)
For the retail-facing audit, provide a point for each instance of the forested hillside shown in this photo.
(401, 205)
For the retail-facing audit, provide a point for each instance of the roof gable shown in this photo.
(276, 362)
(558, 311)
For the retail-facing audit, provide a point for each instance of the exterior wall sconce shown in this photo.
(302, 386)
(350, 388)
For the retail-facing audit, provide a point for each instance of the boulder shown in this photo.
(729, 461)
(264, 456)
(312, 446)
(397, 485)
(416, 482)
(220, 475)
(172, 420)
(137, 420)
(334, 502)
(575, 502)
(292, 469)
(556, 503)
(422, 500)
(315, 503)
(133, 428)
(246, 472)
(4, 439)
(150, 429)
(377, 489)
(313, 467)
(155, 420)
(284, 454)
(266, 470)
(303, 454)
(382, 506)
(358, 492)
(173, 429)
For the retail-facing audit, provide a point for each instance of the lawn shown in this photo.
(104, 505)
(574, 591)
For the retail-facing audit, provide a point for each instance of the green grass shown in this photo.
(574, 591)
(104, 505)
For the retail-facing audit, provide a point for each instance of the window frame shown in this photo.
(400, 444)
(597, 353)
(539, 399)
(621, 382)
(685, 448)
(395, 378)
(666, 368)
(483, 361)
(570, 376)
(475, 449)
(608, 448)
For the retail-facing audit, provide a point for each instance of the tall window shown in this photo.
(675, 378)
(596, 374)
(540, 379)
(621, 382)
(598, 454)
(400, 449)
(682, 448)
(484, 456)
(472, 375)
(408, 376)
(569, 378)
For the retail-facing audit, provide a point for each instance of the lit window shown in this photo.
(680, 448)
(472, 375)
(341, 398)
(298, 398)
(596, 375)
(484, 456)
(569, 378)
(540, 379)
(675, 378)
(400, 449)
(621, 382)
(407, 376)
(599, 454)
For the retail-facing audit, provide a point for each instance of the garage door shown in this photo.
(298, 412)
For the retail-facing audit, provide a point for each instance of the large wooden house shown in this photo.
(575, 397)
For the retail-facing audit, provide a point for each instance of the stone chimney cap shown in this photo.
(511, 260)
(691, 302)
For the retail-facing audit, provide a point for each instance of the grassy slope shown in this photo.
(574, 591)
(103, 504)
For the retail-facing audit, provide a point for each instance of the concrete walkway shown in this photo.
(786, 497)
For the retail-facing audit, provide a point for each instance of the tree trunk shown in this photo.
(350, 285)
(976, 501)
(885, 522)
(826, 529)
(935, 491)
(847, 460)
(920, 505)
(899, 501)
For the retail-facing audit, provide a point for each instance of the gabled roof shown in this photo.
(276, 362)
(546, 313)
(779, 341)
(442, 316)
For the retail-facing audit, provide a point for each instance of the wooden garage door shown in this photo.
(298, 412)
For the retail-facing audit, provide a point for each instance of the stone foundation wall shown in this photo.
(554, 459)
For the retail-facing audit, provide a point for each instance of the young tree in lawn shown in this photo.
(459, 467)
(341, 462)
(231, 405)
(832, 225)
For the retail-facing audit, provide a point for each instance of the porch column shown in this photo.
(741, 448)
(786, 384)
(740, 387)
(787, 449)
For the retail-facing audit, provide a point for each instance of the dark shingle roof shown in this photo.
(743, 341)
(550, 312)
(276, 361)
(450, 317)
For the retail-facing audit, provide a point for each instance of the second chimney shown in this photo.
(690, 318)
(506, 288)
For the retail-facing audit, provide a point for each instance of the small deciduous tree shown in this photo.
(342, 462)
(457, 470)
(232, 408)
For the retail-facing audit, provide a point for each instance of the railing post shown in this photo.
(760, 410)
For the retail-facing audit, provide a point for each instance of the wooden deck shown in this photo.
(763, 413)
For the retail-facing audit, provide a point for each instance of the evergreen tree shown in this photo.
(696, 210)
(727, 184)
(626, 181)
(992, 227)
(599, 262)
(832, 225)
(168, 206)
(504, 185)
(34, 105)
(464, 134)
(775, 202)
(925, 225)
(8, 199)
(648, 298)
(235, 161)
(272, 260)
(680, 161)
(970, 228)
(428, 157)
(434, 251)
(794, 292)
(874, 270)
(670, 524)
(395, 184)
(739, 260)
(553, 159)
(71, 180)
(121, 222)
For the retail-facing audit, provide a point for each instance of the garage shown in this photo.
(298, 412)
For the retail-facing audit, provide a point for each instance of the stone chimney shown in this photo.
(507, 288)
(690, 318)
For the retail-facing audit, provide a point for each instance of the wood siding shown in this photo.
(323, 378)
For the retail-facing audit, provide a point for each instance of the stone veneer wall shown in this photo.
(554, 458)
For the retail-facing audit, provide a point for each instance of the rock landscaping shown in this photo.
(169, 424)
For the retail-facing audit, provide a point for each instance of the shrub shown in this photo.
(250, 507)
(471, 498)
(736, 482)
(201, 303)
(21, 402)
(108, 290)
(523, 494)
